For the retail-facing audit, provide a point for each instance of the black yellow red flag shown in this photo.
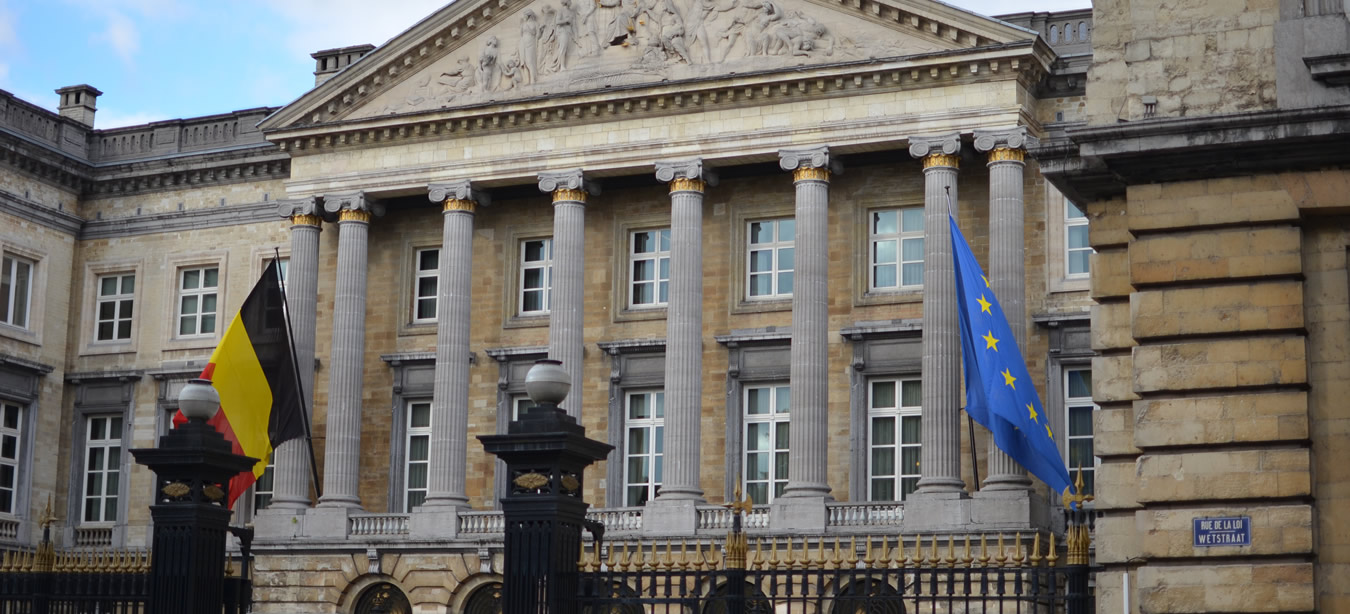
(253, 370)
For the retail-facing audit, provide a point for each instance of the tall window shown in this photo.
(770, 258)
(894, 420)
(197, 289)
(263, 488)
(16, 286)
(896, 248)
(425, 285)
(645, 423)
(649, 268)
(102, 467)
(114, 310)
(419, 454)
(1079, 407)
(766, 441)
(11, 442)
(1077, 250)
(536, 276)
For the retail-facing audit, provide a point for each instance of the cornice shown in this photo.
(176, 221)
(450, 28)
(1025, 61)
(31, 366)
(39, 214)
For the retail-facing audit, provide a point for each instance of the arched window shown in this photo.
(755, 602)
(486, 599)
(868, 595)
(384, 598)
(1082, 30)
(1054, 34)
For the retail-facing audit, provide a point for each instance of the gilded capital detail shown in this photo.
(1009, 145)
(306, 220)
(811, 174)
(940, 159)
(569, 195)
(810, 158)
(458, 204)
(461, 190)
(687, 185)
(1004, 154)
(354, 215)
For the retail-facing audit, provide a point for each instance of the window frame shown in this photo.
(900, 412)
(775, 418)
(22, 452)
(1079, 402)
(9, 264)
(1070, 224)
(88, 445)
(522, 265)
(418, 275)
(409, 433)
(656, 256)
(899, 237)
(654, 426)
(120, 298)
(180, 275)
(775, 272)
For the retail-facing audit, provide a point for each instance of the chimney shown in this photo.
(78, 103)
(329, 61)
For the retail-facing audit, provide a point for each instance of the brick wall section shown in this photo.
(1203, 317)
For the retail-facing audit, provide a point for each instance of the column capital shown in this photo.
(458, 195)
(572, 182)
(1007, 144)
(301, 211)
(937, 150)
(679, 172)
(352, 206)
(798, 159)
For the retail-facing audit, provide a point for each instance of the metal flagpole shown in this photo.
(970, 422)
(299, 383)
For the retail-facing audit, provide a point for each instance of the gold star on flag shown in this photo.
(990, 341)
(986, 281)
(1034, 415)
(1008, 379)
(984, 305)
(1049, 432)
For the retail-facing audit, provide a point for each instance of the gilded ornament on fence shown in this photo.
(176, 490)
(213, 492)
(531, 481)
(570, 484)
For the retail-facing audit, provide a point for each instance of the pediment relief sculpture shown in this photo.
(558, 46)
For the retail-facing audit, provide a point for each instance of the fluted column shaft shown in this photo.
(1007, 278)
(684, 342)
(940, 467)
(290, 477)
(342, 454)
(809, 433)
(566, 316)
(450, 395)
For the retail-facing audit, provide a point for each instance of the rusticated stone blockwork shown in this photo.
(1215, 255)
(1225, 363)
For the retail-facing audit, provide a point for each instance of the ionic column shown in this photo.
(940, 458)
(809, 384)
(290, 477)
(1007, 264)
(342, 453)
(450, 396)
(565, 315)
(684, 329)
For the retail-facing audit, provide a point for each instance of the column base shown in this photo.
(434, 522)
(280, 523)
(1008, 481)
(937, 512)
(800, 513)
(1009, 510)
(678, 517)
(328, 522)
(296, 505)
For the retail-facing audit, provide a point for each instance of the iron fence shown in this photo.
(90, 582)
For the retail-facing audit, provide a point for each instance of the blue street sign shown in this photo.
(1223, 531)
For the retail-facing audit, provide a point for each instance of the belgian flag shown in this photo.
(253, 370)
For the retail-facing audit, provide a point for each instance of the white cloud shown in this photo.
(114, 118)
(324, 24)
(122, 35)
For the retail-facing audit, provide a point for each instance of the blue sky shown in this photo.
(164, 59)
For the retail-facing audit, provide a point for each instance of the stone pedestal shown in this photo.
(1009, 510)
(801, 514)
(667, 517)
(328, 522)
(433, 522)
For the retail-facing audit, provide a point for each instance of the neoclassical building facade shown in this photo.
(726, 219)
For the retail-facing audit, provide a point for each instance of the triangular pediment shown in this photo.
(479, 52)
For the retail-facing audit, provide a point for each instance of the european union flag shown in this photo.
(999, 392)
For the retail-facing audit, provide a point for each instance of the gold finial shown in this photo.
(966, 558)
(984, 550)
(851, 555)
(1036, 550)
(45, 519)
(1002, 555)
(837, 557)
(738, 504)
(950, 559)
(1051, 558)
(1018, 555)
(1078, 498)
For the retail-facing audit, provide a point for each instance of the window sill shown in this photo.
(531, 321)
(193, 343)
(411, 329)
(890, 297)
(109, 347)
(20, 334)
(638, 314)
(763, 305)
(1071, 284)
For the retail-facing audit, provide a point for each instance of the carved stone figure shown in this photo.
(620, 26)
(489, 72)
(529, 44)
(457, 80)
(565, 31)
(798, 35)
(759, 36)
(667, 28)
(701, 13)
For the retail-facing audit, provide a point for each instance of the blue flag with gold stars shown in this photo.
(999, 392)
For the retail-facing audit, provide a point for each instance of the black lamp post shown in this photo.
(193, 466)
(546, 453)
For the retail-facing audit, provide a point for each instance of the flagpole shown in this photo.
(299, 382)
(970, 422)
